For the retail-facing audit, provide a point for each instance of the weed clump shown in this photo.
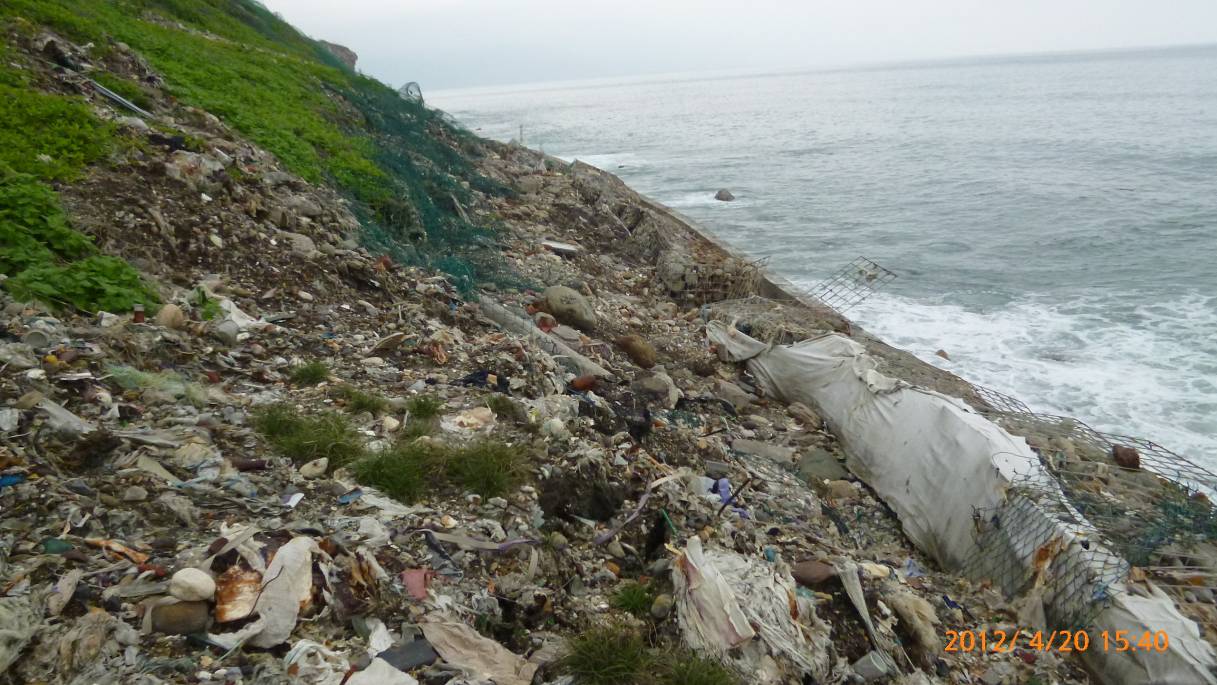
(634, 598)
(424, 407)
(311, 373)
(303, 438)
(411, 467)
(618, 655)
(607, 656)
(358, 402)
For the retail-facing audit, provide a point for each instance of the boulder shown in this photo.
(805, 415)
(811, 573)
(300, 244)
(171, 316)
(724, 195)
(182, 618)
(819, 464)
(639, 351)
(776, 453)
(658, 387)
(1126, 457)
(734, 394)
(569, 307)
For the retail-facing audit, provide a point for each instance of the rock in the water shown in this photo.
(639, 351)
(171, 316)
(943, 354)
(661, 607)
(192, 585)
(569, 307)
(812, 572)
(182, 618)
(1126, 457)
(724, 195)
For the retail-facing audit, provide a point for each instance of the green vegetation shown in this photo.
(410, 468)
(311, 373)
(403, 165)
(615, 655)
(303, 438)
(424, 407)
(51, 137)
(47, 260)
(358, 401)
(634, 598)
(124, 87)
(618, 655)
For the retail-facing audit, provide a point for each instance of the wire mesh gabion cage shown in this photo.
(853, 284)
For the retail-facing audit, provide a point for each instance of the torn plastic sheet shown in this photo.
(742, 612)
(381, 672)
(478, 656)
(466, 542)
(310, 663)
(287, 587)
(19, 621)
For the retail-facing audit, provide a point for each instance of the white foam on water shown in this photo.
(1149, 371)
(609, 161)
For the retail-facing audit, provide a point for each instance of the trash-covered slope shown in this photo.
(320, 463)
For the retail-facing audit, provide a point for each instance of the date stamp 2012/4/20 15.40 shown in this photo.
(1055, 640)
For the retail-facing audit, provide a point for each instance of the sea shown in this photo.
(1052, 219)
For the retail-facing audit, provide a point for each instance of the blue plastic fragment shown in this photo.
(350, 496)
(11, 479)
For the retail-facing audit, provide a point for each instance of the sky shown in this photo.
(446, 44)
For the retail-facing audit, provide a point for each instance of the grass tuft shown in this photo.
(634, 598)
(686, 668)
(358, 401)
(311, 373)
(412, 467)
(424, 407)
(304, 438)
(614, 655)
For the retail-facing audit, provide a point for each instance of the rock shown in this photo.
(724, 195)
(171, 316)
(227, 332)
(315, 468)
(805, 415)
(569, 307)
(305, 296)
(388, 343)
(303, 206)
(841, 489)
(135, 494)
(777, 453)
(192, 585)
(614, 548)
(658, 387)
(372, 361)
(559, 248)
(9, 419)
(389, 424)
(812, 572)
(182, 618)
(300, 244)
(661, 607)
(819, 464)
(717, 469)
(943, 354)
(344, 54)
(193, 169)
(639, 351)
(558, 540)
(726, 390)
(1126, 457)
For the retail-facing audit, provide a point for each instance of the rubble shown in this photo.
(182, 506)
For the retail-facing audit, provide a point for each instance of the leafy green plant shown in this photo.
(303, 438)
(311, 373)
(48, 136)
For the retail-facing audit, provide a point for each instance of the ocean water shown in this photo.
(1052, 220)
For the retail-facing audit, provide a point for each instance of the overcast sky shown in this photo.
(460, 43)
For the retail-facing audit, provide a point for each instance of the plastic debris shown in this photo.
(480, 657)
